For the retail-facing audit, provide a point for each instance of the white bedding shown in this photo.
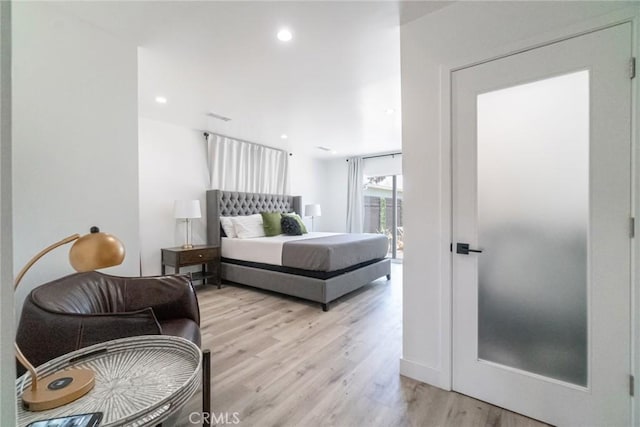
(265, 250)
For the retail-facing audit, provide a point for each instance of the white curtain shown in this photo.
(236, 165)
(355, 196)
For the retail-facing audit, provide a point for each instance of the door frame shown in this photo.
(631, 15)
(7, 328)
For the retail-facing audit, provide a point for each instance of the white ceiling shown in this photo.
(330, 86)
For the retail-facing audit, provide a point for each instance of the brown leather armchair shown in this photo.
(83, 309)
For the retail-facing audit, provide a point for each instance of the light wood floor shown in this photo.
(280, 361)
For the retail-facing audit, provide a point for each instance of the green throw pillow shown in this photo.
(271, 223)
(297, 217)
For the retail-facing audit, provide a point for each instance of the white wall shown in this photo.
(75, 151)
(173, 165)
(306, 178)
(333, 195)
(457, 35)
(7, 357)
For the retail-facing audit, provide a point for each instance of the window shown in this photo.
(383, 210)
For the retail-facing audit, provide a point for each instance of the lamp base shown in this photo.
(187, 246)
(58, 389)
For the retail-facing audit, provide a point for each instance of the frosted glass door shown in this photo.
(541, 249)
(533, 205)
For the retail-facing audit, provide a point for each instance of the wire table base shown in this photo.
(139, 381)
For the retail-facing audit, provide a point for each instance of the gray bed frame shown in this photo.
(230, 203)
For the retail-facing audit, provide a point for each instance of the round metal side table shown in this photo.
(139, 381)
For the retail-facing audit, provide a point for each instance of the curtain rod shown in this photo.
(382, 155)
(206, 134)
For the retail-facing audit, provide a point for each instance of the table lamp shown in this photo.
(312, 211)
(187, 210)
(90, 252)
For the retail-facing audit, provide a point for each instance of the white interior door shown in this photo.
(542, 186)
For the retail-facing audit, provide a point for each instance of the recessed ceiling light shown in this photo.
(389, 111)
(161, 100)
(284, 35)
(334, 152)
(284, 136)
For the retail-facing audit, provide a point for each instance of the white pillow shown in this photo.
(249, 226)
(227, 226)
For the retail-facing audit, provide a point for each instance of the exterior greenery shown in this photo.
(383, 216)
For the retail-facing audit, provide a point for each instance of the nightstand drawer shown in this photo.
(197, 256)
(206, 255)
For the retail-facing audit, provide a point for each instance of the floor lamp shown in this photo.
(312, 211)
(90, 252)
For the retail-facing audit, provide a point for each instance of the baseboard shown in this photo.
(423, 373)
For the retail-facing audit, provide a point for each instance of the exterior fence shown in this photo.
(378, 216)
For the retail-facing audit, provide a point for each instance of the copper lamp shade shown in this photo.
(95, 251)
(90, 252)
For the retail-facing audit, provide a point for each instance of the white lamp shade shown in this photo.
(187, 209)
(312, 210)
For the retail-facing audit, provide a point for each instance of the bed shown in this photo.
(319, 267)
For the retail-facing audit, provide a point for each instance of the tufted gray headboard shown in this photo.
(234, 203)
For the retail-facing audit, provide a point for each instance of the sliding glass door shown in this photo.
(383, 210)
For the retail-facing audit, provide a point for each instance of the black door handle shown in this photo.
(463, 248)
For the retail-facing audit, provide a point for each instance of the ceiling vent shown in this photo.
(219, 117)
(327, 149)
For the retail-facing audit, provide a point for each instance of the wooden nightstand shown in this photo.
(207, 256)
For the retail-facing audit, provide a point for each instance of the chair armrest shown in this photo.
(170, 297)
